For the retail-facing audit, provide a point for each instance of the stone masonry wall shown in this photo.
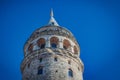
(52, 70)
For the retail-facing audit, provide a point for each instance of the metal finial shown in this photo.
(52, 20)
(51, 13)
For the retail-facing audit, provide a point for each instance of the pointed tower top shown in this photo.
(52, 19)
(51, 13)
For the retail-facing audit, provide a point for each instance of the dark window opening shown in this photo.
(56, 71)
(64, 47)
(28, 65)
(52, 23)
(40, 70)
(37, 32)
(55, 59)
(78, 68)
(41, 43)
(53, 45)
(40, 59)
(66, 44)
(42, 46)
(70, 73)
(69, 62)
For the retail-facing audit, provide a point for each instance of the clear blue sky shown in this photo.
(94, 23)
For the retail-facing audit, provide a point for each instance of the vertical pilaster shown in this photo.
(72, 48)
(48, 42)
(61, 43)
(35, 46)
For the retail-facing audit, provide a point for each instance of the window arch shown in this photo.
(54, 42)
(70, 73)
(40, 70)
(66, 44)
(41, 43)
(30, 48)
(75, 50)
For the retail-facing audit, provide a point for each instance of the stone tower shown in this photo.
(52, 53)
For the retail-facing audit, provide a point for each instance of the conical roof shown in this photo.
(52, 20)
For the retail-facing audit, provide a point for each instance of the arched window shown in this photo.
(41, 43)
(75, 50)
(30, 48)
(40, 70)
(66, 44)
(54, 42)
(70, 73)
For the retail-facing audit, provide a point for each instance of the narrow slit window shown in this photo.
(40, 59)
(78, 69)
(69, 62)
(28, 65)
(55, 59)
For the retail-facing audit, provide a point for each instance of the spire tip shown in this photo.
(52, 20)
(51, 13)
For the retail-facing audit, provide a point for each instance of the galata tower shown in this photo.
(52, 53)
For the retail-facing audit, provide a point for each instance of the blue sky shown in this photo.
(94, 23)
